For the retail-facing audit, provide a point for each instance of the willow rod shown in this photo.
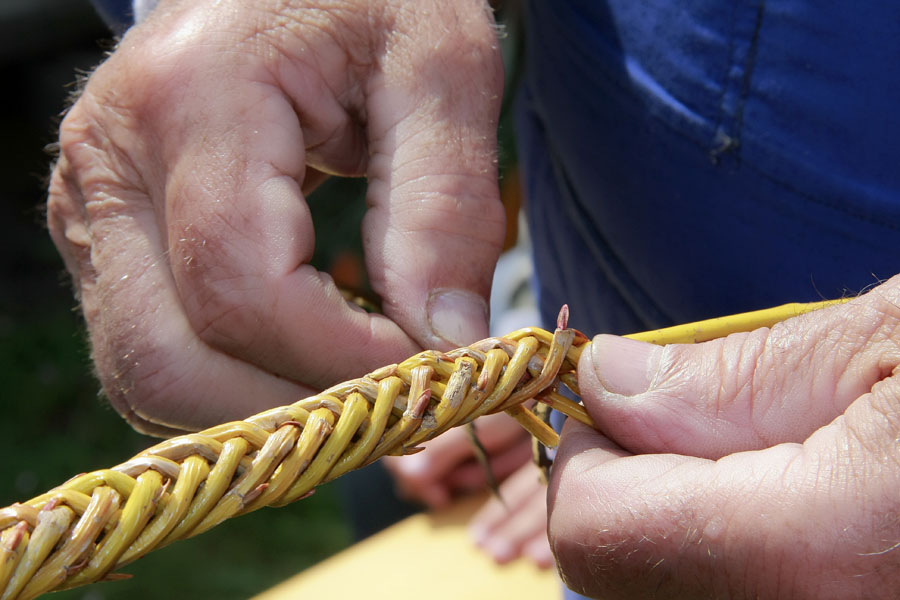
(89, 527)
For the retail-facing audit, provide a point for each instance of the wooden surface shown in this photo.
(427, 556)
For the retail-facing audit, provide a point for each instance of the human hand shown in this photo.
(178, 202)
(515, 526)
(448, 465)
(762, 465)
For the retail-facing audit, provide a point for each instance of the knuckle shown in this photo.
(226, 316)
(130, 384)
(886, 309)
(461, 41)
(221, 295)
(65, 218)
(223, 311)
(143, 375)
(621, 542)
(100, 150)
(882, 429)
(451, 208)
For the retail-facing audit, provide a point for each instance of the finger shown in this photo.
(792, 520)
(436, 225)
(434, 494)
(539, 551)
(527, 524)
(147, 357)
(515, 492)
(505, 528)
(240, 234)
(603, 511)
(746, 391)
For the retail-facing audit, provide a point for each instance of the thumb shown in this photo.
(745, 391)
(435, 227)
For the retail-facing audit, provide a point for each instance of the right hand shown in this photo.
(178, 202)
(760, 465)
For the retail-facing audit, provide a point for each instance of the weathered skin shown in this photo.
(178, 198)
(772, 469)
(178, 205)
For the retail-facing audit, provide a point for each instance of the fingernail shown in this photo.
(501, 550)
(457, 316)
(539, 551)
(478, 534)
(623, 366)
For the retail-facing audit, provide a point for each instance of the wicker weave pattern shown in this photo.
(97, 522)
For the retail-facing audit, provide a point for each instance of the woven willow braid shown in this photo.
(97, 522)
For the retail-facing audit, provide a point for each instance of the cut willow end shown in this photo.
(95, 523)
(562, 321)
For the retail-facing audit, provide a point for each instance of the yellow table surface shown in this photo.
(425, 557)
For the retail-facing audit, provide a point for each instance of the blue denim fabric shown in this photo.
(684, 160)
(693, 159)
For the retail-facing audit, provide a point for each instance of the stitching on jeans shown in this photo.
(731, 34)
(749, 66)
(730, 125)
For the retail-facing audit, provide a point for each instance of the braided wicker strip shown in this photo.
(97, 522)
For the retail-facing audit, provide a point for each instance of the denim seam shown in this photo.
(729, 129)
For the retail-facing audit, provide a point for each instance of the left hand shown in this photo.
(762, 465)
